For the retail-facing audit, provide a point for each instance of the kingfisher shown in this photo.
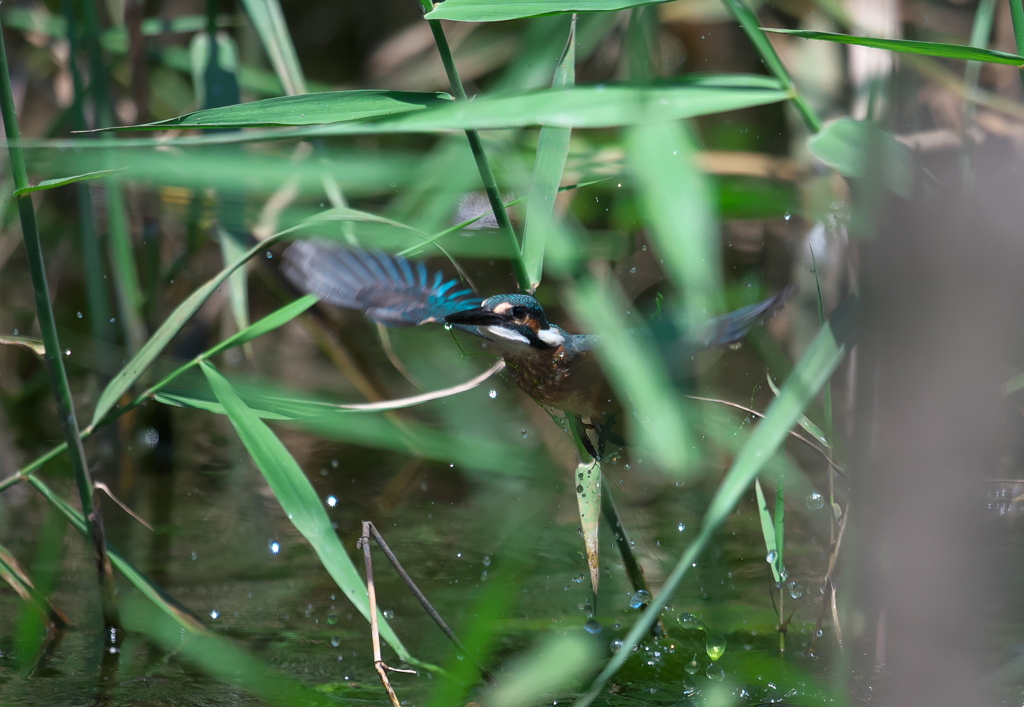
(554, 367)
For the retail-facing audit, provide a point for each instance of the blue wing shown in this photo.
(386, 288)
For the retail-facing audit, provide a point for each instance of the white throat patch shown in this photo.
(510, 334)
(552, 337)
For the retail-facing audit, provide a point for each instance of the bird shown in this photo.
(554, 367)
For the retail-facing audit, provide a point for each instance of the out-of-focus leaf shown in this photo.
(845, 145)
(553, 667)
(62, 181)
(910, 46)
(552, 151)
(629, 357)
(490, 11)
(269, 22)
(18, 579)
(678, 200)
(220, 658)
(298, 499)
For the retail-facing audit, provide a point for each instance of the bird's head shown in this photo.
(510, 319)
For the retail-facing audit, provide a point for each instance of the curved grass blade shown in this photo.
(768, 532)
(809, 376)
(490, 11)
(221, 659)
(298, 499)
(63, 181)
(305, 109)
(910, 46)
(588, 499)
(552, 152)
(553, 667)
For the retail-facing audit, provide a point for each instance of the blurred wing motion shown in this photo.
(386, 288)
(731, 327)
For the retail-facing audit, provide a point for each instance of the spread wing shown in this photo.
(386, 288)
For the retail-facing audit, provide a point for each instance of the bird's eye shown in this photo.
(519, 312)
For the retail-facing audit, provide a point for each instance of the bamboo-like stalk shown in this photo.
(479, 156)
(1017, 17)
(48, 329)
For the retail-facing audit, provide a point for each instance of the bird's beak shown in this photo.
(477, 316)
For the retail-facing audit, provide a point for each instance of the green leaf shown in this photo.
(845, 145)
(297, 497)
(63, 181)
(910, 46)
(594, 106)
(306, 109)
(552, 151)
(768, 530)
(552, 668)
(491, 11)
(269, 22)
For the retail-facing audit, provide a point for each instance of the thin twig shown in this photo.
(830, 590)
(838, 469)
(106, 489)
(422, 599)
(378, 661)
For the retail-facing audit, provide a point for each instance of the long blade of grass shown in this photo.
(556, 665)
(305, 109)
(807, 379)
(552, 152)
(588, 499)
(19, 580)
(490, 11)
(910, 46)
(64, 181)
(601, 106)
(748, 21)
(298, 498)
(48, 328)
(269, 22)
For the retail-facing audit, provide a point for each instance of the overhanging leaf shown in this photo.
(491, 11)
(63, 181)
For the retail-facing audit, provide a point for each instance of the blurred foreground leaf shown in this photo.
(62, 181)
(552, 668)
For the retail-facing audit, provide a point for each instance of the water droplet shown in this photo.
(389, 614)
(78, 314)
(525, 434)
(113, 319)
(795, 590)
(214, 614)
(269, 255)
(692, 667)
(641, 597)
(332, 501)
(579, 488)
(632, 271)
(787, 216)
(616, 645)
(487, 560)
(771, 557)
(332, 619)
(275, 547)
(715, 646)
(335, 641)
(492, 393)
(715, 672)
(815, 501)
(681, 527)
(593, 626)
